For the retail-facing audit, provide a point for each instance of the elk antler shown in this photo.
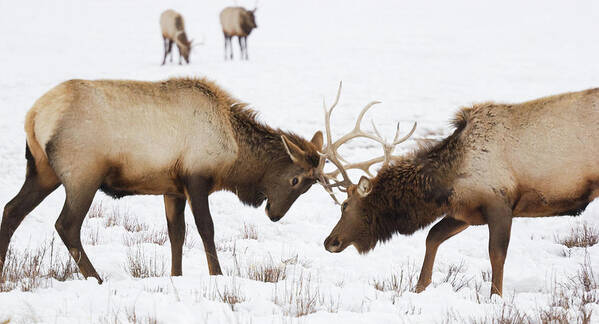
(330, 150)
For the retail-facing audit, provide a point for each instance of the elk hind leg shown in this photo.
(499, 218)
(439, 233)
(38, 185)
(79, 198)
(175, 219)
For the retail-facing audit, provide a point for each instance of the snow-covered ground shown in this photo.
(423, 59)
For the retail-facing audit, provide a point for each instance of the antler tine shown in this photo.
(330, 151)
(327, 114)
(357, 130)
(403, 139)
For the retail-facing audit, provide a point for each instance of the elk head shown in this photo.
(184, 46)
(251, 18)
(356, 224)
(286, 181)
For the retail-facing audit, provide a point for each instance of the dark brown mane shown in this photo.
(265, 139)
(422, 187)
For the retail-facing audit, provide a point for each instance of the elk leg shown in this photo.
(31, 194)
(68, 225)
(165, 46)
(240, 39)
(499, 218)
(198, 189)
(231, 47)
(170, 49)
(226, 40)
(175, 219)
(443, 230)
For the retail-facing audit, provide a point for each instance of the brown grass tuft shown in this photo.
(297, 298)
(139, 265)
(34, 268)
(581, 236)
(249, 232)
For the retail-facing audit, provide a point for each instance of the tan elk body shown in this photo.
(180, 138)
(173, 31)
(534, 159)
(239, 22)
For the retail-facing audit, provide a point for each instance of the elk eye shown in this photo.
(294, 181)
(343, 206)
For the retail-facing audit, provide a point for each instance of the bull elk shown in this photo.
(533, 159)
(237, 21)
(173, 31)
(180, 138)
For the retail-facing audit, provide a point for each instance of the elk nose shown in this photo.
(332, 244)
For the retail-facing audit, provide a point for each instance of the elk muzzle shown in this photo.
(334, 244)
(275, 217)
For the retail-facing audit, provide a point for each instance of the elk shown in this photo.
(180, 138)
(237, 21)
(173, 30)
(533, 159)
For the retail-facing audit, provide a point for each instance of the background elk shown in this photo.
(237, 21)
(534, 159)
(179, 138)
(173, 30)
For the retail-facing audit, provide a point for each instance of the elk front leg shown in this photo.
(499, 218)
(165, 49)
(197, 192)
(175, 219)
(438, 234)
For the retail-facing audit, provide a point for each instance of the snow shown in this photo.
(423, 59)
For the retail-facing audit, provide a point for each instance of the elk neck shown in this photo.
(415, 190)
(260, 150)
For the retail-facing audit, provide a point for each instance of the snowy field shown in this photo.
(422, 59)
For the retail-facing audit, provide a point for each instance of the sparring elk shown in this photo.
(173, 31)
(237, 21)
(533, 159)
(180, 138)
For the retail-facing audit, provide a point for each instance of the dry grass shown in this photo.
(569, 303)
(134, 318)
(398, 283)
(298, 297)
(229, 293)
(456, 277)
(581, 236)
(125, 314)
(153, 236)
(122, 217)
(34, 268)
(140, 265)
(265, 271)
(96, 211)
(507, 315)
(91, 235)
(249, 232)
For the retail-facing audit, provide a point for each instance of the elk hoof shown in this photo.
(420, 287)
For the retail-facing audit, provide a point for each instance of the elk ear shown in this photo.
(295, 153)
(317, 140)
(364, 187)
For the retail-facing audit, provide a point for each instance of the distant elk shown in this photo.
(181, 138)
(237, 21)
(534, 159)
(173, 31)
